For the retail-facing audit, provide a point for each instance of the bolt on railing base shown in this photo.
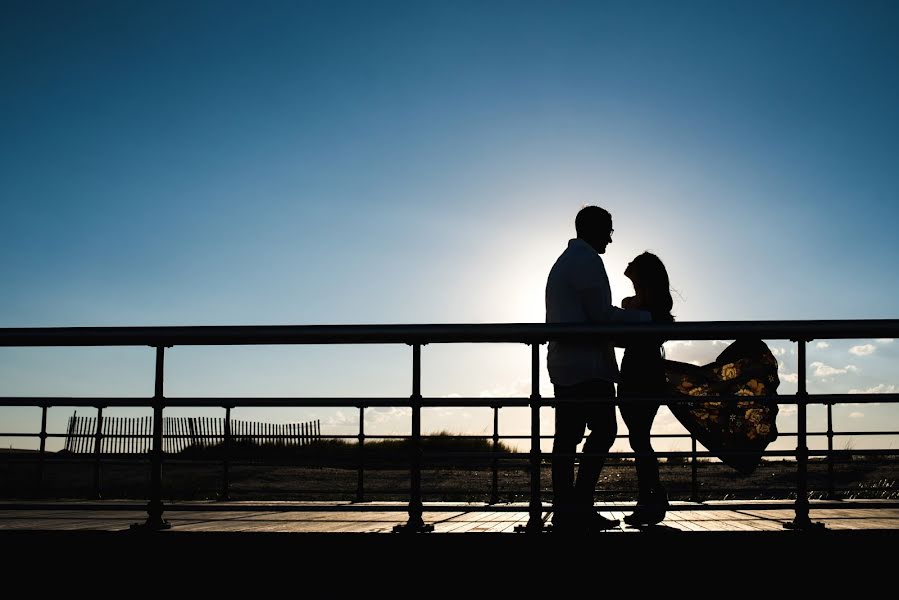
(804, 524)
(418, 526)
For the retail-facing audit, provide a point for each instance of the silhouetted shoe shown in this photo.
(651, 512)
(597, 522)
(644, 515)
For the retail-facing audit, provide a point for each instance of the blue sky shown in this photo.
(204, 163)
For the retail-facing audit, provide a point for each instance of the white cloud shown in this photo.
(518, 389)
(385, 414)
(340, 419)
(822, 345)
(882, 388)
(778, 351)
(884, 340)
(822, 370)
(863, 350)
(788, 409)
(790, 377)
(856, 415)
(679, 343)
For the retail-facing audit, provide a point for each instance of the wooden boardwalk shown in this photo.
(346, 518)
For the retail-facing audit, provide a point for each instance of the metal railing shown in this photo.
(533, 335)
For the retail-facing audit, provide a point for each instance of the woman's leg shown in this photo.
(639, 425)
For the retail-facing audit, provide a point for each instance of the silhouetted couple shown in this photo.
(577, 291)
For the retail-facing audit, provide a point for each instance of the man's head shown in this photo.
(594, 226)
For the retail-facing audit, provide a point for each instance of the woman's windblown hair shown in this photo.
(648, 272)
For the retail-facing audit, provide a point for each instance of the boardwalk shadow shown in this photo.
(654, 529)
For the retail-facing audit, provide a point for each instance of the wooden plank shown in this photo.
(478, 521)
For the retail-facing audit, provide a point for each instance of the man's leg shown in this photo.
(639, 425)
(603, 428)
(570, 426)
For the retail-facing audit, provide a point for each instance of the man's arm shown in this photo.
(597, 302)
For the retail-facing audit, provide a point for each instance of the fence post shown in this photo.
(40, 464)
(494, 488)
(535, 520)
(192, 430)
(226, 458)
(155, 507)
(801, 521)
(694, 460)
(360, 478)
(831, 488)
(415, 524)
(98, 450)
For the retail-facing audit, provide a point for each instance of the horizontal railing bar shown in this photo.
(429, 507)
(349, 436)
(428, 402)
(441, 333)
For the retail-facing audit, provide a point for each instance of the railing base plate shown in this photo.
(413, 528)
(151, 524)
(534, 525)
(804, 524)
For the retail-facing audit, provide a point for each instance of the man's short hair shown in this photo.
(592, 219)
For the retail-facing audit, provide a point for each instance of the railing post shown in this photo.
(360, 477)
(801, 521)
(694, 460)
(226, 459)
(415, 524)
(40, 463)
(494, 489)
(535, 520)
(155, 507)
(831, 488)
(98, 450)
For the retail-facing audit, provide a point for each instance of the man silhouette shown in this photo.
(577, 291)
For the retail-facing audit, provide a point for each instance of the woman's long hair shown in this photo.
(648, 272)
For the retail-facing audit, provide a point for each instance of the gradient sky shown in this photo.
(213, 163)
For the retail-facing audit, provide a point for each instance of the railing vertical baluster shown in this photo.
(226, 457)
(360, 477)
(694, 468)
(535, 520)
(98, 451)
(415, 524)
(155, 507)
(831, 491)
(494, 488)
(801, 521)
(40, 463)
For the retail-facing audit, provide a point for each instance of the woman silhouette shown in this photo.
(643, 374)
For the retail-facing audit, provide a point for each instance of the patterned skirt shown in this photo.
(738, 430)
